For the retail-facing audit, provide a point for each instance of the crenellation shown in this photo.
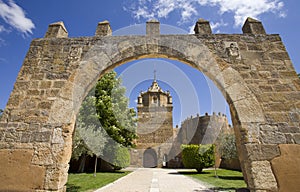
(56, 30)
(202, 27)
(253, 26)
(152, 27)
(103, 29)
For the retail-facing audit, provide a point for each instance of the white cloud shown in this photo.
(246, 8)
(15, 16)
(240, 9)
(217, 25)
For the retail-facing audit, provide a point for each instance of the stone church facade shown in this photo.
(155, 127)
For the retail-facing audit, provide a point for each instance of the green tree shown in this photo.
(117, 119)
(89, 138)
(299, 75)
(198, 156)
(227, 147)
(105, 125)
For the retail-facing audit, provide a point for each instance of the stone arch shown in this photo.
(37, 124)
(246, 111)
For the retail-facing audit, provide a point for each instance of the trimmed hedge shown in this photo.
(198, 156)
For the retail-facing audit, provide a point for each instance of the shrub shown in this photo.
(198, 156)
(122, 158)
(117, 155)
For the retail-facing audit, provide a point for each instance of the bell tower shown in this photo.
(155, 120)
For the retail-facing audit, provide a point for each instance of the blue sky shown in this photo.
(22, 21)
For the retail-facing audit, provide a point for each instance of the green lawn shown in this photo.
(87, 182)
(227, 179)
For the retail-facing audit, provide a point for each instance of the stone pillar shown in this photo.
(103, 29)
(152, 27)
(202, 27)
(56, 30)
(253, 26)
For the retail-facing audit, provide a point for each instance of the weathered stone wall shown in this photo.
(203, 129)
(253, 71)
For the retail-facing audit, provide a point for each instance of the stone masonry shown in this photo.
(253, 70)
(154, 127)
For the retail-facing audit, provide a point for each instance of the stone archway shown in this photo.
(149, 158)
(253, 71)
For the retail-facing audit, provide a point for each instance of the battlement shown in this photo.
(202, 27)
(214, 114)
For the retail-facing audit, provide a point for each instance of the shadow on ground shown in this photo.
(187, 173)
(72, 188)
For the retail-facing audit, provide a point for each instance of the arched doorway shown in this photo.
(58, 72)
(149, 158)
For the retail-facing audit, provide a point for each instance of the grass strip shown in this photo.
(227, 180)
(87, 182)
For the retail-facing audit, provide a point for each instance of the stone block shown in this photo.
(57, 136)
(56, 177)
(269, 134)
(42, 156)
(249, 110)
(17, 173)
(45, 84)
(25, 137)
(41, 136)
(259, 152)
(263, 177)
(286, 167)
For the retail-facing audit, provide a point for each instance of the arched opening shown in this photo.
(150, 158)
(224, 79)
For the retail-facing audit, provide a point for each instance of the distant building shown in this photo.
(158, 143)
(154, 127)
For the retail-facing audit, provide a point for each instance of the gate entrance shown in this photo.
(252, 70)
(150, 158)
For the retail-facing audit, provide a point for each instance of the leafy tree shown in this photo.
(299, 75)
(227, 147)
(89, 138)
(105, 125)
(198, 156)
(117, 119)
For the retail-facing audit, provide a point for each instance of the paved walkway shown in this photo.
(155, 180)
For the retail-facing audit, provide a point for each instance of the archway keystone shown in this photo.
(252, 70)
